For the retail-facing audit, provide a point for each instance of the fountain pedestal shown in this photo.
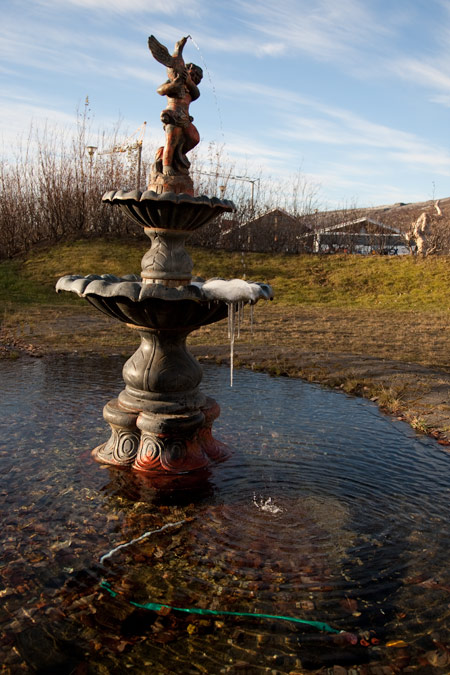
(161, 421)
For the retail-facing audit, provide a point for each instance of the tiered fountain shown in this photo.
(161, 422)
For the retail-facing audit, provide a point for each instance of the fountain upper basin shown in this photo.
(168, 211)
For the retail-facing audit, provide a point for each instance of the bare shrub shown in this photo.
(52, 188)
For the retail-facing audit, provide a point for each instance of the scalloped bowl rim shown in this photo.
(137, 196)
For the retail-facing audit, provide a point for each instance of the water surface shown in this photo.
(327, 511)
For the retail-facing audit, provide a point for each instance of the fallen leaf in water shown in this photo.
(438, 658)
(396, 643)
(349, 604)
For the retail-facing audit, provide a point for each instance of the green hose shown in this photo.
(155, 607)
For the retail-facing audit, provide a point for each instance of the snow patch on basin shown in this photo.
(236, 293)
(235, 290)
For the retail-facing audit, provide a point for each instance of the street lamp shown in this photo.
(91, 152)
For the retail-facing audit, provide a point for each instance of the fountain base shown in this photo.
(161, 444)
(161, 421)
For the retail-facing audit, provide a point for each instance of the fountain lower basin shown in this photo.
(160, 307)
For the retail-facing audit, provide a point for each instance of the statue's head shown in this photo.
(195, 72)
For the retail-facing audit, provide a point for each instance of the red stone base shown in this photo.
(188, 445)
(180, 184)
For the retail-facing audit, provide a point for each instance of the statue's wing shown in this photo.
(160, 53)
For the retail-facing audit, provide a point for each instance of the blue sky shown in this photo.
(354, 93)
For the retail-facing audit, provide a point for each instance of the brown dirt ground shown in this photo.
(400, 360)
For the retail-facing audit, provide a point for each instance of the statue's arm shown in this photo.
(193, 89)
(169, 88)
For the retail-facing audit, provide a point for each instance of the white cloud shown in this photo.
(22, 115)
(318, 122)
(397, 146)
(425, 73)
(130, 6)
(360, 193)
(269, 95)
(63, 50)
(249, 149)
(442, 99)
(431, 158)
(272, 48)
(325, 29)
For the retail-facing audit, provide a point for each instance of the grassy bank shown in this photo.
(384, 307)
(374, 326)
(375, 282)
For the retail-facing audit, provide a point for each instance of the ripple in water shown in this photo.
(327, 511)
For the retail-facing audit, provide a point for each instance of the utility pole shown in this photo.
(126, 146)
(245, 179)
(252, 181)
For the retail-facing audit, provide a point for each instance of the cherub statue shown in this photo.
(181, 89)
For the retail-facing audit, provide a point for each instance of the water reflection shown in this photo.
(327, 511)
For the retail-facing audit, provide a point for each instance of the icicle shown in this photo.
(240, 305)
(232, 309)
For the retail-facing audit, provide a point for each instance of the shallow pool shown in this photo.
(327, 511)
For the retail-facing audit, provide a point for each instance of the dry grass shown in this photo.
(417, 337)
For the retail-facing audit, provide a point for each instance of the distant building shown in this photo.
(362, 235)
(381, 230)
(275, 231)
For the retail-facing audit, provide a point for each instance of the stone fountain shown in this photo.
(161, 422)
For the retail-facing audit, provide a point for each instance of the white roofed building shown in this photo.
(362, 235)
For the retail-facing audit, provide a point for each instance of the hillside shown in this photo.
(400, 283)
(398, 215)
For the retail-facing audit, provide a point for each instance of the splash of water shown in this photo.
(267, 505)
(216, 100)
